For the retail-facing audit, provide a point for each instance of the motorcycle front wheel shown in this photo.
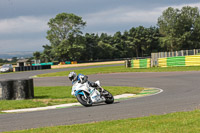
(109, 97)
(84, 101)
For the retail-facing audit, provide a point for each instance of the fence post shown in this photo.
(186, 52)
(128, 63)
(152, 58)
(196, 51)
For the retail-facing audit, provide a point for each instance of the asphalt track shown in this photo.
(181, 92)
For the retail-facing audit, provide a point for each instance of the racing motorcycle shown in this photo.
(88, 95)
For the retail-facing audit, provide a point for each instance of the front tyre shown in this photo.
(84, 101)
(109, 97)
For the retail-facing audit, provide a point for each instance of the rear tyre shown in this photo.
(109, 98)
(84, 101)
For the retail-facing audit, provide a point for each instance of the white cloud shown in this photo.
(129, 15)
(23, 24)
(26, 25)
(22, 44)
(182, 5)
(121, 15)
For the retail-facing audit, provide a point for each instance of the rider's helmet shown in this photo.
(72, 76)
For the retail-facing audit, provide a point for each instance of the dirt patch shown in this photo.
(87, 64)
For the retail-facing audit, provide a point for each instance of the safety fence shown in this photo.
(193, 60)
(141, 63)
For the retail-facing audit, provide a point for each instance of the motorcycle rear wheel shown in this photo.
(83, 101)
(109, 98)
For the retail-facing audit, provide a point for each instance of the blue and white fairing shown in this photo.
(93, 93)
(77, 87)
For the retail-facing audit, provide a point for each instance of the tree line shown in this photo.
(5, 61)
(176, 29)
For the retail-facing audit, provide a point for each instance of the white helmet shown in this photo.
(72, 76)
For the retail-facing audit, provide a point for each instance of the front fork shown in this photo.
(84, 95)
(87, 98)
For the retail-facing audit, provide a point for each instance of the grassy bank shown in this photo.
(47, 96)
(116, 69)
(181, 122)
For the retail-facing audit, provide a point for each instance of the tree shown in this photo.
(47, 54)
(119, 45)
(151, 41)
(76, 49)
(36, 55)
(136, 40)
(180, 28)
(1, 60)
(105, 47)
(14, 59)
(91, 47)
(62, 28)
(105, 50)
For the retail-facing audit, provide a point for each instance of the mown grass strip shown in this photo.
(6, 72)
(47, 96)
(117, 69)
(180, 122)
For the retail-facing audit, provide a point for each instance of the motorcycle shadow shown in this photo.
(102, 104)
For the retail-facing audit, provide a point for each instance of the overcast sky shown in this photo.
(23, 23)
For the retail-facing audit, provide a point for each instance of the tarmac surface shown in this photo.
(181, 92)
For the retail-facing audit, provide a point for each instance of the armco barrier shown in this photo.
(141, 63)
(193, 60)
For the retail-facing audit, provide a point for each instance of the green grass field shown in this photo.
(117, 69)
(47, 96)
(181, 122)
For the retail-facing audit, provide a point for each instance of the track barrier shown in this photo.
(192, 60)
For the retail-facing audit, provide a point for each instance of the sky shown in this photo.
(23, 23)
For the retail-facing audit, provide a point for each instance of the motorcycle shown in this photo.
(88, 95)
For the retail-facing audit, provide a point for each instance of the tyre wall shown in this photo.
(193, 60)
(141, 63)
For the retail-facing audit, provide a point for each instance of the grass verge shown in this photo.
(47, 96)
(180, 122)
(117, 69)
(6, 72)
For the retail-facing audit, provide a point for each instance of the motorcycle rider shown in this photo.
(80, 78)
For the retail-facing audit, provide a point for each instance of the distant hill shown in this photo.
(19, 54)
